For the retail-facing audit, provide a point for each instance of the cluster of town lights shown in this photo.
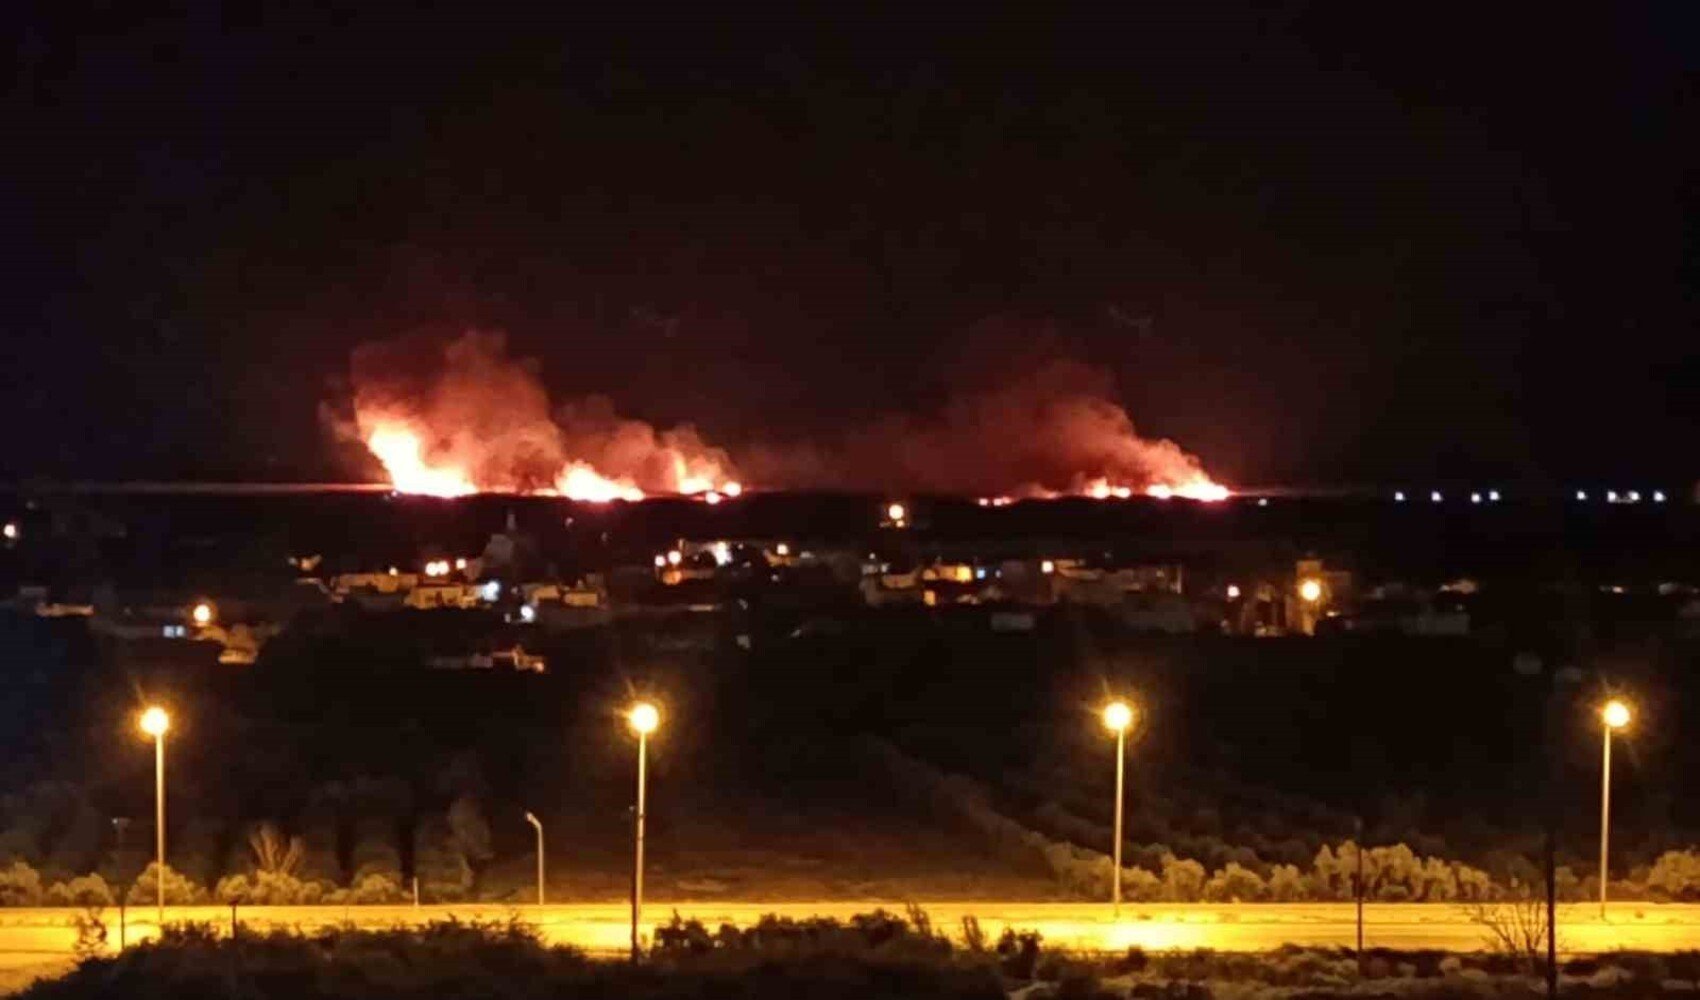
(643, 718)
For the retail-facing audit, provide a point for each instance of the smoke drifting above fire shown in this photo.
(474, 420)
(471, 419)
(1055, 430)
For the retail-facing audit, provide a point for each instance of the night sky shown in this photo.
(1312, 245)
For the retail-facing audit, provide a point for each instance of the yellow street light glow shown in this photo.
(1233, 591)
(1047, 566)
(1118, 716)
(1615, 714)
(675, 557)
(1310, 591)
(896, 512)
(644, 718)
(202, 613)
(155, 722)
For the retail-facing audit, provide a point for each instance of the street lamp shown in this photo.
(155, 722)
(1118, 718)
(643, 718)
(1310, 591)
(1614, 714)
(538, 826)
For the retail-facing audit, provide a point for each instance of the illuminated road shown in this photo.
(37, 936)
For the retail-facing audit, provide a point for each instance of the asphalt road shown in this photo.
(31, 937)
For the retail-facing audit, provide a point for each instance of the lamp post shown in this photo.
(538, 826)
(1118, 716)
(643, 718)
(155, 722)
(1614, 714)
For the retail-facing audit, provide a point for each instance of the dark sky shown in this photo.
(1312, 244)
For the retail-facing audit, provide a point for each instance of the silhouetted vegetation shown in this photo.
(872, 956)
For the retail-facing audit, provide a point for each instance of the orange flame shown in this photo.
(1199, 488)
(581, 482)
(480, 421)
(402, 452)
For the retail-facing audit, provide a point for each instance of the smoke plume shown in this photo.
(1053, 430)
(473, 419)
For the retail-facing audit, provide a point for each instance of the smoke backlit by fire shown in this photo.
(1054, 430)
(479, 421)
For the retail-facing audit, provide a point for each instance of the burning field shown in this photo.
(473, 419)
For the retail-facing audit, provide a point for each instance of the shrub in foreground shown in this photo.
(879, 931)
(452, 959)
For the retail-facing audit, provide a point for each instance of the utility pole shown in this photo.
(1358, 887)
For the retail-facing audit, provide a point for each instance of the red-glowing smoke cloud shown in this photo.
(1054, 430)
(477, 420)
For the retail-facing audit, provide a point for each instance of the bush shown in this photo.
(470, 832)
(84, 890)
(264, 888)
(1183, 879)
(374, 849)
(273, 853)
(464, 960)
(879, 931)
(1286, 885)
(1018, 954)
(443, 871)
(1235, 883)
(91, 934)
(20, 885)
(318, 825)
(179, 891)
(369, 890)
(1676, 875)
(1140, 885)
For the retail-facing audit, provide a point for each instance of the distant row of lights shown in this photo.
(1629, 496)
(1493, 496)
(1435, 496)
